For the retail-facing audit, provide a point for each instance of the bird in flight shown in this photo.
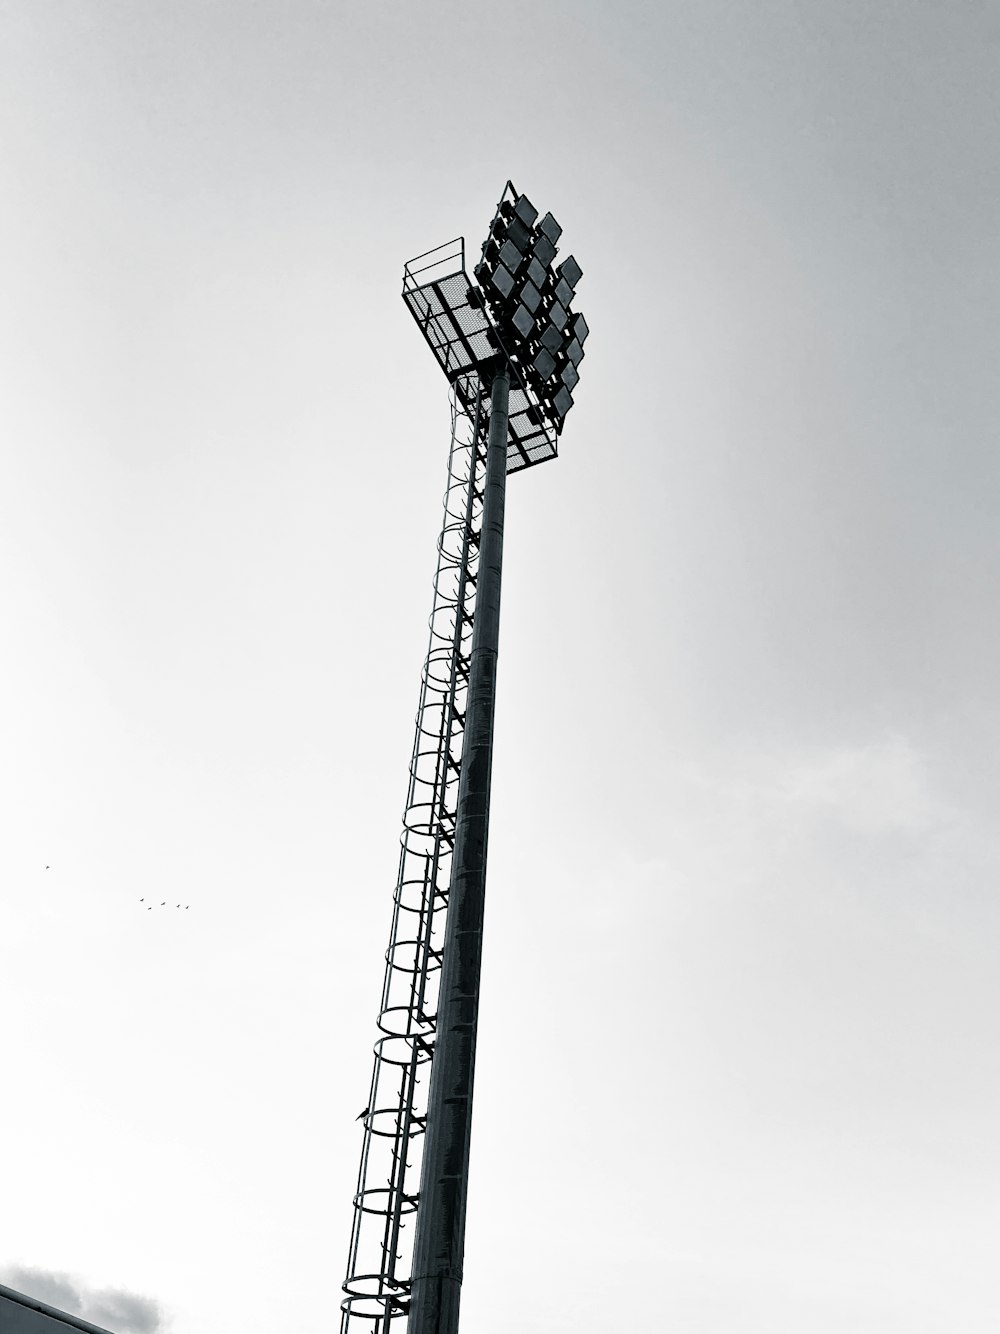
(48, 868)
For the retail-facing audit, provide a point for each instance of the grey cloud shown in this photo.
(125, 1312)
(56, 1289)
(122, 1312)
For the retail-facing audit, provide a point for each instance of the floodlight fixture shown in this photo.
(544, 363)
(519, 233)
(511, 256)
(545, 249)
(563, 401)
(502, 279)
(522, 321)
(551, 338)
(523, 209)
(536, 272)
(563, 292)
(550, 228)
(570, 270)
(531, 296)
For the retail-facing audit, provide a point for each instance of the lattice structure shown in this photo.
(377, 1285)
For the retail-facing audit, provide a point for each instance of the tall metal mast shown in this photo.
(511, 349)
(440, 1236)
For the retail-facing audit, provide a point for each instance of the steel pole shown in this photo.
(439, 1244)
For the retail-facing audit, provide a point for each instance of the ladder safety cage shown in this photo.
(378, 1277)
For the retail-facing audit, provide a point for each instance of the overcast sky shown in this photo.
(739, 1060)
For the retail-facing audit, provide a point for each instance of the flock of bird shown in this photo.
(150, 906)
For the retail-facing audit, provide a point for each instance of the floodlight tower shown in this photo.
(510, 346)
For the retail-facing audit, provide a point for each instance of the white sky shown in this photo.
(740, 1044)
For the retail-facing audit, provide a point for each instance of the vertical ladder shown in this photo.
(379, 1263)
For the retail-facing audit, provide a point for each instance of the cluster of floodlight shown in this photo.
(529, 299)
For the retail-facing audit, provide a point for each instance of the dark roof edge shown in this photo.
(33, 1304)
